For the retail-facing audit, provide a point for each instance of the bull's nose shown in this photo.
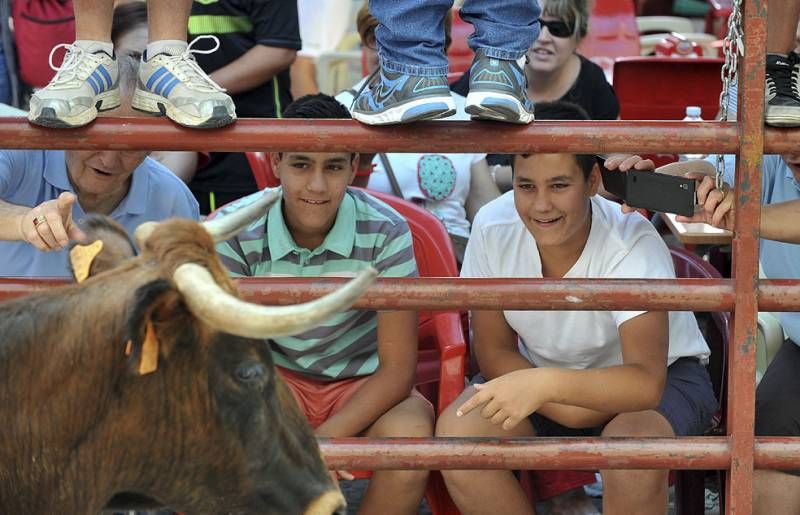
(329, 503)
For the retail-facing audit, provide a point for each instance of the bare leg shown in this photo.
(488, 492)
(782, 20)
(93, 19)
(636, 492)
(399, 492)
(775, 493)
(168, 19)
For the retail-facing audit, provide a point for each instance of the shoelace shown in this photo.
(367, 84)
(187, 70)
(781, 79)
(75, 60)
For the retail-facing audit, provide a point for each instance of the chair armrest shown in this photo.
(452, 354)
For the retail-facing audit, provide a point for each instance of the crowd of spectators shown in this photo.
(203, 64)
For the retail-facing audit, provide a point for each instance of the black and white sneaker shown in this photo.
(782, 93)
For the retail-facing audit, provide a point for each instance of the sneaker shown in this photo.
(176, 86)
(498, 90)
(86, 82)
(782, 93)
(389, 97)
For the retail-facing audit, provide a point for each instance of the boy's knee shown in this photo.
(638, 424)
(413, 420)
(448, 424)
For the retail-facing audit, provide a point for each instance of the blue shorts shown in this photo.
(688, 403)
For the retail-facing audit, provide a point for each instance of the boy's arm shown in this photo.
(255, 67)
(636, 385)
(389, 385)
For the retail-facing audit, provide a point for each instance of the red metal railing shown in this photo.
(738, 452)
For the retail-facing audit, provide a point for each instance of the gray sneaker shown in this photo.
(782, 92)
(173, 84)
(498, 90)
(389, 97)
(86, 82)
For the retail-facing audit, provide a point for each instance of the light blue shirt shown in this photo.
(778, 260)
(30, 177)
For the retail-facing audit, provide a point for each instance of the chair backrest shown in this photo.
(262, 170)
(612, 30)
(691, 266)
(660, 88)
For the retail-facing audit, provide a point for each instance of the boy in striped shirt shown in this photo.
(353, 375)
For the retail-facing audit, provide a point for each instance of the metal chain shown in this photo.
(733, 48)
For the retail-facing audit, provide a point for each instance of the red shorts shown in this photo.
(319, 399)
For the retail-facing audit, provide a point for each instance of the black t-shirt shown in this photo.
(591, 91)
(240, 25)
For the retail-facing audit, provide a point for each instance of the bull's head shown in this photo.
(222, 431)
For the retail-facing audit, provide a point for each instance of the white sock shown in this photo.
(95, 46)
(166, 46)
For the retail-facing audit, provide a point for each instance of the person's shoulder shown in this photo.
(499, 212)
(622, 230)
(592, 70)
(368, 207)
(165, 185)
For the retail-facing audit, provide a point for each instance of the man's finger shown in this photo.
(56, 225)
(76, 234)
(64, 203)
(470, 404)
(44, 232)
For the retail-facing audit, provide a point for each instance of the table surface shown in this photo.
(696, 234)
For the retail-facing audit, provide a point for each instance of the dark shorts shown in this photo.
(688, 403)
(778, 396)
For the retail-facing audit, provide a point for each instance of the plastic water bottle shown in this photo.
(692, 115)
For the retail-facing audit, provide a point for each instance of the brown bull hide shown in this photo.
(212, 430)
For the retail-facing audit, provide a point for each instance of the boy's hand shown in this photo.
(714, 207)
(625, 162)
(508, 399)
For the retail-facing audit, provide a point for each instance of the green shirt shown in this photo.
(366, 232)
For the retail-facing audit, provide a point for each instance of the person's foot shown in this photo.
(389, 97)
(782, 93)
(498, 90)
(85, 83)
(171, 83)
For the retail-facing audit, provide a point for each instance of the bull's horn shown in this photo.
(224, 312)
(226, 227)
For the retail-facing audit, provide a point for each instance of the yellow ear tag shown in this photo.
(81, 257)
(148, 361)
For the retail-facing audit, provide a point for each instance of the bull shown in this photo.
(212, 429)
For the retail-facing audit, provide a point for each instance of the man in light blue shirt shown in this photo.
(45, 194)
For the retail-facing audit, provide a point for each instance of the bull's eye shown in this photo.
(250, 372)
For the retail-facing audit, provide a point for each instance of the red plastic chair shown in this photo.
(612, 30)
(690, 484)
(262, 170)
(717, 17)
(645, 94)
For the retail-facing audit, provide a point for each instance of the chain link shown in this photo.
(733, 48)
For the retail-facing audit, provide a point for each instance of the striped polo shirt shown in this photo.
(366, 232)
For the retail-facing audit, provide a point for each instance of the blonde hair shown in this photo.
(574, 12)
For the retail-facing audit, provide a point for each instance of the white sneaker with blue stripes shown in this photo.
(86, 82)
(173, 84)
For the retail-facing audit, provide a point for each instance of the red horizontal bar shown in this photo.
(541, 294)
(777, 453)
(348, 135)
(704, 453)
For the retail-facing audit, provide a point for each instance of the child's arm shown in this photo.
(495, 345)
(389, 385)
(636, 385)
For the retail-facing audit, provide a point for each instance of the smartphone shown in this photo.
(650, 190)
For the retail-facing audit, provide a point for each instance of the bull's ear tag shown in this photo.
(81, 257)
(149, 354)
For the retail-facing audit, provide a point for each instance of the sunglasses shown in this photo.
(558, 28)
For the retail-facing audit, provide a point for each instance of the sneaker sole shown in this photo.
(782, 116)
(431, 108)
(156, 104)
(496, 107)
(103, 102)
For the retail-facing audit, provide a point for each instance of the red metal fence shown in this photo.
(738, 452)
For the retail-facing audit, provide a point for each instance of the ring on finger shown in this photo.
(39, 220)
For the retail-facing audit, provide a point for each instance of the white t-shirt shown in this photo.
(620, 246)
(439, 182)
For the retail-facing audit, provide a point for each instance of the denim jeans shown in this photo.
(5, 80)
(411, 32)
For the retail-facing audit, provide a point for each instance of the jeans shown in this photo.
(5, 80)
(411, 32)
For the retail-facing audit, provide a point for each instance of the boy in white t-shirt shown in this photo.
(574, 373)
